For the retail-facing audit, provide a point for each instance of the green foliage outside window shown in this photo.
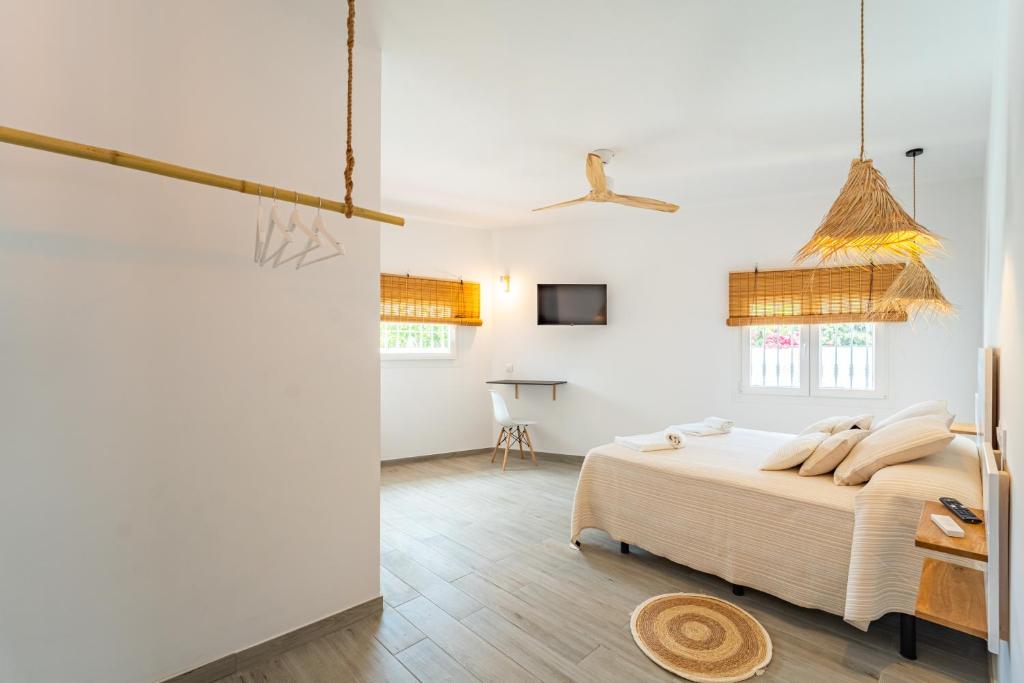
(415, 338)
(846, 334)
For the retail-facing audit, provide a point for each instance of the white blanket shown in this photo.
(667, 439)
(848, 550)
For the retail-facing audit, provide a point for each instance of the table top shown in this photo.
(542, 382)
(973, 545)
(966, 428)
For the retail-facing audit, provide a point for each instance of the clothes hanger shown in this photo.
(313, 243)
(295, 223)
(320, 228)
(258, 252)
(273, 222)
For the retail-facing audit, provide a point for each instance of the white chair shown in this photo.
(512, 429)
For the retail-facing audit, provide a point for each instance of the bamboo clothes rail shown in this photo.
(45, 143)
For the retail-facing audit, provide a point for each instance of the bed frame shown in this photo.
(991, 444)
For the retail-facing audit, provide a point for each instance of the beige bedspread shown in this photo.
(848, 550)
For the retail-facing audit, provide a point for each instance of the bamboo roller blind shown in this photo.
(412, 299)
(842, 294)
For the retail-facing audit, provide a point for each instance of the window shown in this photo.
(775, 359)
(846, 357)
(417, 341)
(837, 359)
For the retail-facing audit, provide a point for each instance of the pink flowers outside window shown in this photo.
(779, 340)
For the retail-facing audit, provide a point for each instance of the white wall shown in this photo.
(190, 443)
(666, 355)
(1004, 322)
(439, 406)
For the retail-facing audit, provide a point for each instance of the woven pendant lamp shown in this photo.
(915, 291)
(866, 222)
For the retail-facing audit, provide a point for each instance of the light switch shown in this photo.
(509, 368)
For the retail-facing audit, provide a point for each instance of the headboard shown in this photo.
(996, 492)
(986, 400)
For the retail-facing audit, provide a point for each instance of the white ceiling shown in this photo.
(490, 106)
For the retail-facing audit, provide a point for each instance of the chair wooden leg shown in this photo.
(529, 442)
(504, 460)
(519, 440)
(500, 437)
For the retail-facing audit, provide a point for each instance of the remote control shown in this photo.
(960, 510)
(948, 526)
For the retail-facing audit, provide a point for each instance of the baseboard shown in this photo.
(435, 456)
(561, 457)
(541, 455)
(262, 652)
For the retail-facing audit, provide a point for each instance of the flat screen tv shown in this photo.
(572, 304)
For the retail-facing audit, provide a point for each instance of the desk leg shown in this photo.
(554, 391)
(517, 391)
(908, 636)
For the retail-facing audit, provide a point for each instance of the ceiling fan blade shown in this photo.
(578, 200)
(642, 202)
(595, 174)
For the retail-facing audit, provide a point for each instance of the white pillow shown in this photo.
(827, 425)
(832, 451)
(792, 453)
(902, 441)
(917, 410)
(857, 421)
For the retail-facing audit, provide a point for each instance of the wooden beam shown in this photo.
(45, 143)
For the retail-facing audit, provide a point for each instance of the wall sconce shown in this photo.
(505, 282)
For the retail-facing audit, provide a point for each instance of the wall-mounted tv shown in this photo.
(572, 304)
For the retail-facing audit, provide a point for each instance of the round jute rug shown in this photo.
(701, 638)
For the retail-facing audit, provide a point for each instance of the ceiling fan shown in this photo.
(600, 188)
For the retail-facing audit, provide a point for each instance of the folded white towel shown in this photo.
(664, 440)
(707, 427)
(675, 437)
(697, 429)
(719, 423)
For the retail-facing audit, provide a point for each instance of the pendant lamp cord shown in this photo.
(350, 157)
(862, 80)
(914, 206)
(871, 286)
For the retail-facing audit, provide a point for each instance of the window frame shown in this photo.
(810, 365)
(450, 355)
(881, 370)
(747, 388)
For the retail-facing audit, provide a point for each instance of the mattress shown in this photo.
(848, 550)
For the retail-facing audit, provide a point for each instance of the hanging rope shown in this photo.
(862, 80)
(350, 157)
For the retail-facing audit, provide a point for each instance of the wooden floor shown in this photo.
(480, 584)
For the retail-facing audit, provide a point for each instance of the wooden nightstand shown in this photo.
(949, 594)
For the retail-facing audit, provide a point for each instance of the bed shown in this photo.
(847, 550)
